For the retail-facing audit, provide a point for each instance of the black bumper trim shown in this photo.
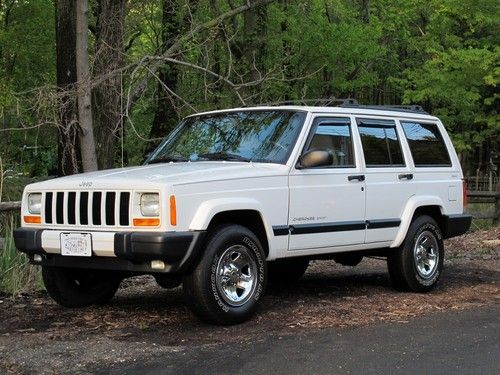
(456, 225)
(134, 251)
(29, 240)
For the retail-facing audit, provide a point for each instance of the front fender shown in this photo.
(411, 206)
(208, 209)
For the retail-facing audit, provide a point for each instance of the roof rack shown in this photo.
(350, 103)
(314, 102)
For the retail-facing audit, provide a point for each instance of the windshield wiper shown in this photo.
(222, 155)
(168, 159)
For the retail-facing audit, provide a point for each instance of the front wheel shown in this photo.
(229, 281)
(75, 287)
(418, 263)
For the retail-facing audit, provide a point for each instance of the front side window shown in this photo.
(426, 144)
(266, 136)
(380, 141)
(334, 135)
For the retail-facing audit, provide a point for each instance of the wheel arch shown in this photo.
(245, 212)
(417, 206)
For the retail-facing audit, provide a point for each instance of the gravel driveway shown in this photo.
(144, 322)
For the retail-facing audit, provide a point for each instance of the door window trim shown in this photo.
(310, 135)
(399, 135)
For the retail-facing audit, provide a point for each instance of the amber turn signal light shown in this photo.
(32, 219)
(146, 222)
(173, 211)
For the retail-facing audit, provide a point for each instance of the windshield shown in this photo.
(261, 136)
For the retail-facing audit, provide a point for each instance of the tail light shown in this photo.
(464, 193)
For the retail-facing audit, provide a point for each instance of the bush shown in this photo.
(16, 274)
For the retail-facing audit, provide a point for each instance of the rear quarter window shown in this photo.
(426, 144)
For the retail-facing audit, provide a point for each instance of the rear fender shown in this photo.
(411, 206)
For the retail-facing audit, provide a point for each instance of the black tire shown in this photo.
(168, 281)
(403, 264)
(204, 286)
(283, 272)
(71, 287)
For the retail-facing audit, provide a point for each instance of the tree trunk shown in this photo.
(68, 146)
(108, 124)
(166, 116)
(89, 159)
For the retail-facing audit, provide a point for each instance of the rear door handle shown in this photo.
(359, 177)
(406, 176)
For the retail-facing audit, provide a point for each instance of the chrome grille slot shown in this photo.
(97, 208)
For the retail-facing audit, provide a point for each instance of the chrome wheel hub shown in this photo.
(236, 276)
(426, 254)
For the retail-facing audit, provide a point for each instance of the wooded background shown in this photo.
(88, 84)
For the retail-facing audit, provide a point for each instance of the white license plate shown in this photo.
(76, 244)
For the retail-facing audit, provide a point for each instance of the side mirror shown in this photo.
(315, 158)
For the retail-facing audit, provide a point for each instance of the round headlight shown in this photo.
(150, 204)
(35, 203)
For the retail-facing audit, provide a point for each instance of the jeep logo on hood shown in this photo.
(85, 184)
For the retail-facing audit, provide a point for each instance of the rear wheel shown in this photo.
(229, 281)
(284, 272)
(75, 287)
(417, 265)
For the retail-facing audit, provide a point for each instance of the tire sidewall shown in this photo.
(421, 225)
(234, 235)
(59, 283)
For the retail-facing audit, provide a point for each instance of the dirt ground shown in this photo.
(143, 320)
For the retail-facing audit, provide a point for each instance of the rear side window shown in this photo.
(334, 134)
(426, 144)
(380, 141)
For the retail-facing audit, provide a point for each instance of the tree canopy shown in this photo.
(156, 61)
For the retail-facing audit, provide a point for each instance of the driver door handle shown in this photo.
(406, 176)
(359, 177)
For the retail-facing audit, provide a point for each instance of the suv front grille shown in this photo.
(96, 208)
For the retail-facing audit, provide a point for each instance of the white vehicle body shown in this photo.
(305, 212)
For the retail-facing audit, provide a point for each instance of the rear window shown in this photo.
(426, 144)
(380, 141)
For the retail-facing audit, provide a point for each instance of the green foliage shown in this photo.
(442, 54)
(16, 274)
(27, 61)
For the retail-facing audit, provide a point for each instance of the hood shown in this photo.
(164, 173)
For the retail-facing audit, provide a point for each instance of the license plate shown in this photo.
(76, 244)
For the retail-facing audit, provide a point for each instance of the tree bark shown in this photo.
(166, 116)
(89, 159)
(68, 146)
(108, 124)
(140, 88)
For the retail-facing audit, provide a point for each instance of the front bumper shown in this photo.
(125, 251)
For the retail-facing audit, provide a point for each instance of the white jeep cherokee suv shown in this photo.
(233, 198)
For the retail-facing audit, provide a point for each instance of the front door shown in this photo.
(327, 204)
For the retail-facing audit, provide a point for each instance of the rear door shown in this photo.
(389, 176)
